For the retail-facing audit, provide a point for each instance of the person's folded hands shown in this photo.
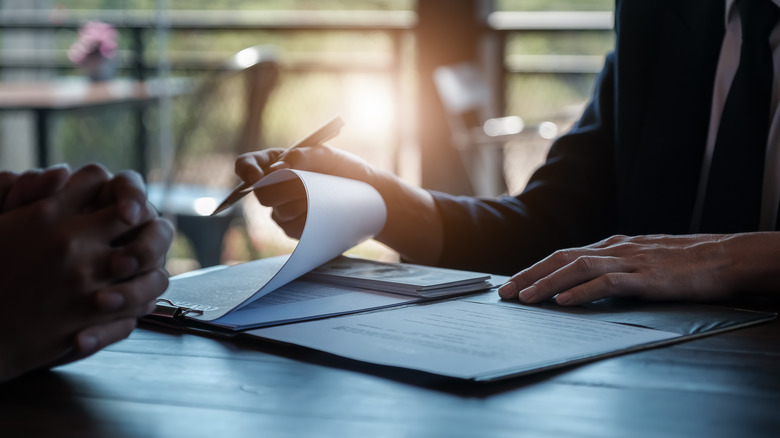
(82, 255)
(135, 264)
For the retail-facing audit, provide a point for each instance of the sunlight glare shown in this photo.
(548, 130)
(204, 206)
(503, 126)
(246, 57)
(370, 107)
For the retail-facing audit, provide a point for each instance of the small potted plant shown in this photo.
(95, 50)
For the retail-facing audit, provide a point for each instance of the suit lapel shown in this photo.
(661, 168)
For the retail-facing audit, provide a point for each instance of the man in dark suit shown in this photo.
(676, 158)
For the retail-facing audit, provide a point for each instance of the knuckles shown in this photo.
(641, 258)
(80, 277)
(545, 284)
(140, 291)
(166, 233)
(45, 212)
(585, 264)
(617, 238)
(130, 178)
(563, 257)
(612, 282)
(522, 279)
(92, 171)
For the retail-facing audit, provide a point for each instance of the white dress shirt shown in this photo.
(727, 69)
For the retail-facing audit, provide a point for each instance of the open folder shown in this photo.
(408, 316)
(483, 338)
(314, 281)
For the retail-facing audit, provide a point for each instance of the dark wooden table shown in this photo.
(160, 383)
(44, 98)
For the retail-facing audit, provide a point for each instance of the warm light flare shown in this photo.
(503, 126)
(371, 107)
(204, 206)
(548, 130)
(247, 57)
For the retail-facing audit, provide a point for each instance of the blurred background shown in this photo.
(461, 96)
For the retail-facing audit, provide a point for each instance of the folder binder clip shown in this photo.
(168, 309)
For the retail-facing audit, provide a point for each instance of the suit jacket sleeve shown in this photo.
(569, 201)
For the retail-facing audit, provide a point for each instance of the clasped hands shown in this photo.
(82, 258)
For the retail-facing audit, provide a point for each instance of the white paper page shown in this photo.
(463, 339)
(216, 291)
(341, 213)
(301, 299)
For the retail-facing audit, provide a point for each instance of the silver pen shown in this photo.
(316, 138)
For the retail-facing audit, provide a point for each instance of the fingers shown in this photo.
(325, 159)
(253, 166)
(582, 270)
(292, 225)
(128, 301)
(34, 185)
(93, 339)
(281, 193)
(95, 248)
(100, 249)
(145, 251)
(132, 297)
(613, 240)
(18, 193)
(528, 277)
(290, 211)
(288, 199)
(120, 305)
(7, 180)
(127, 191)
(138, 250)
(576, 276)
(652, 267)
(83, 188)
(611, 284)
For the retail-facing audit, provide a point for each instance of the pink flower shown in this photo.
(94, 37)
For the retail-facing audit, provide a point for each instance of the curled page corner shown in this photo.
(341, 213)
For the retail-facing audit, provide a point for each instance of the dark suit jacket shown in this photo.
(630, 165)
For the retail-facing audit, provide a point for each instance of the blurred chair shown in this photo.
(477, 132)
(213, 132)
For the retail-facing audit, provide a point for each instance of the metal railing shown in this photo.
(395, 23)
(139, 59)
(140, 22)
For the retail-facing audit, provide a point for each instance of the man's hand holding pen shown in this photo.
(288, 199)
(412, 227)
(317, 138)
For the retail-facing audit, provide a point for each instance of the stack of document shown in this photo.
(399, 278)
